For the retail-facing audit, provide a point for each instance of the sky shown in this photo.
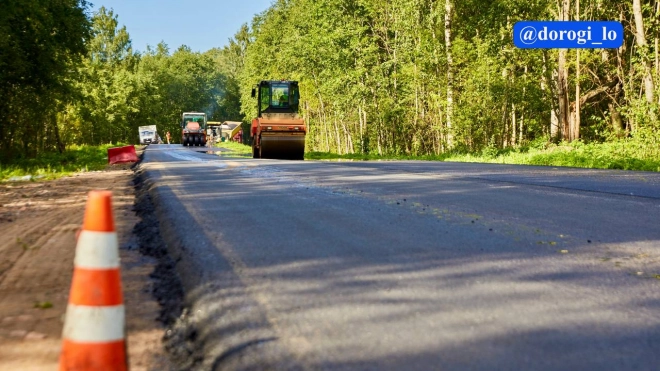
(200, 24)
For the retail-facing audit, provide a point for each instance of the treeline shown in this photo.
(68, 77)
(412, 77)
(429, 76)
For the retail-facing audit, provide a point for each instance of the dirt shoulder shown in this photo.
(38, 224)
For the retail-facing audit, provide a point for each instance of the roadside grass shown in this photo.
(51, 165)
(370, 157)
(234, 147)
(621, 154)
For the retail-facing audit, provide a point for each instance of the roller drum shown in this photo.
(283, 146)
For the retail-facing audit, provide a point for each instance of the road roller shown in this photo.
(193, 129)
(278, 131)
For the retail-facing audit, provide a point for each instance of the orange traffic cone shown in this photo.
(93, 337)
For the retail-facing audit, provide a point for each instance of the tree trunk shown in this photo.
(615, 120)
(58, 140)
(324, 119)
(562, 92)
(361, 129)
(546, 79)
(365, 139)
(575, 133)
(522, 114)
(657, 52)
(657, 65)
(514, 125)
(449, 9)
(349, 138)
(562, 81)
(337, 135)
(641, 43)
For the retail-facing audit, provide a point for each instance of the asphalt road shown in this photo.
(409, 265)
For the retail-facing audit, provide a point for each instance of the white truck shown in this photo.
(148, 134)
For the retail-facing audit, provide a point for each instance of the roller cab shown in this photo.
(278, 131)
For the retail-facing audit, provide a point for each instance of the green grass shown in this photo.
(51, 165)
(621, 154)
(234, 147)
(369, 157)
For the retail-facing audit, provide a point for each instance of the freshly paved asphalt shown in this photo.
(410, 265)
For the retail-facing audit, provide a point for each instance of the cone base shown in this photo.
(93, 356)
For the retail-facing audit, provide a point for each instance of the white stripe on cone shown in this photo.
(97, 250)
(88, 324)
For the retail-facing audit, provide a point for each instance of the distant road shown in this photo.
(409, 265)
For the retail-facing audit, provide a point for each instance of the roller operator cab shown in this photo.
(193, 129)
(278, 131)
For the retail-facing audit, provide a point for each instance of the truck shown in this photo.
(193, 129)
(148, 134)
(278, 131)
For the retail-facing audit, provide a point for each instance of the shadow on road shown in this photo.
(459, 289)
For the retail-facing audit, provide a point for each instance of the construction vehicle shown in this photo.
(230, 129)
(278, 131)
(213, 131)
(193, 129)
(148, 134)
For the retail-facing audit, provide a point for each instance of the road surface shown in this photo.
(409, 265)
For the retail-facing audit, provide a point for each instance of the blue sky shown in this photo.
(200, 24)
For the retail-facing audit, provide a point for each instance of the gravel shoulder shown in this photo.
(38, 223)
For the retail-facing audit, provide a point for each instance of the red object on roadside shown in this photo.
(118, 155)
(238, 137)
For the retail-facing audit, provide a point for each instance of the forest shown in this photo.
(401, 77)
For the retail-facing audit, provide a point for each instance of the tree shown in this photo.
(106, 83)
(40, 41)
(450, 66)
(399, 77)
(562, 79)
(640, 38)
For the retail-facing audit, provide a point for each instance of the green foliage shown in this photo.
(106, 84)
(86, 85)
(40, 41)
(374, 76)
(122, 90)
(50, 165)
(626, 154)
(235, 147)
(622, 154)
(378, 80)
(331, 156)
